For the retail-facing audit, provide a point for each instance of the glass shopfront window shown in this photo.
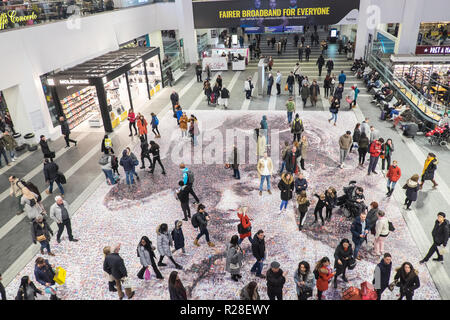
(117, 97)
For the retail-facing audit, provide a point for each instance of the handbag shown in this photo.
(392, 285)
(351, 263)
(147, 275)
(306, 292)
(41, 238)
(61, 178)
(348, 99)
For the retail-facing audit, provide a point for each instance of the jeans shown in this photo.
(242, 239)
(297, 137)
(12, 154)
(199, 77)
(109, 176)
(357, 247)
(372, 164)
(129, 177)
(195, 140)
(284, 204)
(236, 174)
(432, 250)
(333, 116)
(45, 245)
(290, 88)
(61, 189)
(391, 184)
(68, 225)
(267, 178)
(257, 267)
(203, 231)
(3, 152)
(342, 155)
(283, 165)
(269, 90)
(132, 124)
(186, 209)
(289, 116)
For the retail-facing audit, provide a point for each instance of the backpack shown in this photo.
(391, 226)
(35, 190)
(242, 230)
(103, 160)
(298, 125)
(156, 121)
(190, 176)
(194, 220)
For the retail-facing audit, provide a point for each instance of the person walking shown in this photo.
(174, 98)
(412, 187)
(428, 170)
(178, 237)
(440, 234)
(393, 175)
(59, 212)
(332, 84)
(359, 229)
(51, 176)
(326, 85)
(154, 150)
(184, 125)
(342, 78)
(269, 84)
(314, 92)
(15, 191)
(276, 278)
(245, 226)
(265, 170)
(176, 288)
(375, 151)
(115, 266)
(155, 123)
(381, 233)
(307, 53)
(146, 254)
(31, 203)
(188, 180)
(183, 195)
(224, 97)
(201, 219)
(382, 275)
(386, 154)
(9, 143)
(169, 76)
(142, 126)
(323, 275)
(198, 71)
(259, 252)
(248, 87)
(354, 94)
(145, 153)
(164, 242)
(343, 258)
(250, 292)
(111, 281)
(40, 232)
(234, 161)
(46, 149)
(286, 186)
(234, 258)
(338, 92)
(270, 63)
(356, 136)
(65, 131)
(128, 166)
(304, 281)
(334, 109)
(345, 142)
(278, 83)
(300, 52)
(330, 66)
(27, 290)
(408, 280)
(304, 93)
(303, 205)
(291, 158)
(320, 62)
(363, 147)
(290, 81)
(44, 274)
(132, 123)
(303, 152)
(290, 108)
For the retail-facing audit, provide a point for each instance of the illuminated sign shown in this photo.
(12, 17)
(73, 81)
(437, 50)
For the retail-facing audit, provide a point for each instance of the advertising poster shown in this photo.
(273, 13)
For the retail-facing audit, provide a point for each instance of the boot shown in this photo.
(211, 244)
(389, 191)
(196, 243)
(434, 184)
(111, 286)
(179, 267)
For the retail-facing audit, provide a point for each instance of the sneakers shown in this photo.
(374, 172)
(179, 267)
(13, 159)
(160, 264)
(438, 259)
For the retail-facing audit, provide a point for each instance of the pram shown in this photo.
(439, 135)
(349, 207)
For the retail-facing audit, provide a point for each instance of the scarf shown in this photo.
(427, 163)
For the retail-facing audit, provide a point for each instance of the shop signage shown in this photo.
(12, 17)
(74, 81)
(435, 50)
(270, 13)
(216, 63)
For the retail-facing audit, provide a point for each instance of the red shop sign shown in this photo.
(434, 50)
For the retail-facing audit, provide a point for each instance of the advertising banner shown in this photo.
(273, 13)
(435, 50)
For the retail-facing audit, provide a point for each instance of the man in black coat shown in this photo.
(259, 252)
(198, 72)
(290, 159)
(320, 62)
(342, 258)
(440, 235)
(202, 220)
(51, 176)
(154, 150)
(174, 98)
(183, 196)
(330, 66)
(145, 153)
(275, 281)
(307, 53)
(382, 275)
(114, 266)
(65, 130)
(45, 148)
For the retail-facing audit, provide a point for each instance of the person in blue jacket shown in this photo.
(359, 229)
(342, 78)
(155, 123)
(44, 274)
(188, 180)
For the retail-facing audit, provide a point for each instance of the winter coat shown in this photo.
(291, 159)
(330, 202)
(382, 227)
(9, 142)
(372, 218)
(258, 248)
(394, 173)
(202, 222)
(320, 61)
(314, 90)
(375, 148)
(440, 232)
(365, 127)
(363, 143)
(225, 94)
(356, 230)
(343, 255)
(382, 275)
(65, 128)
(275, 281)
(45, 274)
(245, 295)
(183, 122)
(338, 93)
(342, 77)
(412, 188)
(324, 276)
(429, 171)
(309, 280)
(303, 208)
(300, 185)
(22, 294)
(45, 148)
(245, 221)
(408, 283)
(301, 129)
(177, 236)
(174, 98)
(235, 257)
(31, 211)
(330, 65)
(126, 162)
(144, 149)
(183, 194)
(56, 212)
(115, 266)
(145, 256)
(164, 242)
(356, 135)
(303, 149)
(286, 187)
(270, 81)
(345, 142)
(177, 292)
(50, 171)
(38, 229)
(304, 92)
(142, 126)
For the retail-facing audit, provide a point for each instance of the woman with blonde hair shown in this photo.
(303, 151)
(111, 281)
(184, 125)
(30, 204)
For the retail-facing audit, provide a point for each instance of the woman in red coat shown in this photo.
(323, 274)
(245, 226)
(132, 120)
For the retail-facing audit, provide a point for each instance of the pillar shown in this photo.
(186, 29)
(363, 29)
(409, 28)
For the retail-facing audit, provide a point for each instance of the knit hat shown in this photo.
(275, 265)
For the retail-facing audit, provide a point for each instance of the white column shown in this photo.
(408, 30)
(363, 29)
(186, 29)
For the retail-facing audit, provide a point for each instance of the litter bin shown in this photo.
(32, 145)
(20, 141)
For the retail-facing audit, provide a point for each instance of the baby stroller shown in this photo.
(349, 207)
(439, 136)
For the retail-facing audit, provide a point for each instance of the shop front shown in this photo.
(99, 92)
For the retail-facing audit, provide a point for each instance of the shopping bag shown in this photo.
(368, 291)
(147, 275)
(60, 276)
(351, 293)
(286, 87)
(348, 99)
(127, 283)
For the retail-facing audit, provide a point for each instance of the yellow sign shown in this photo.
(158, 86)
(124, 115)
(263, 13)
(115, 122)
(152, 92)
(11, 16)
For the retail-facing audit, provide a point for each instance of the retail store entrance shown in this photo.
(102, 90)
